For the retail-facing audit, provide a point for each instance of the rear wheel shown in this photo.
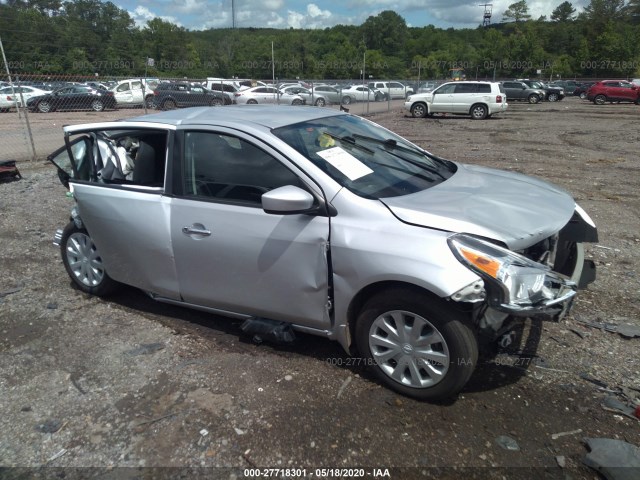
(583, 95)
(252, 102)
(416, 344)
(553, 97)
(479, 112)
(216, 102)
(600, 100)
(44, 107)
(97, 106)
(83, 262)
(419, 110)
(150, 101)
(169, 105)
(533, 98)
(320, 102)
(346, 100)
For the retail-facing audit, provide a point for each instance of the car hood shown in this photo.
(509, 207)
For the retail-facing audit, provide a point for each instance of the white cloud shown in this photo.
(190, 6)
(141, 15)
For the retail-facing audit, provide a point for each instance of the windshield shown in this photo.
(369, 160)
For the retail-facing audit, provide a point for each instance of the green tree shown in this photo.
(517, 11)
(563, 12)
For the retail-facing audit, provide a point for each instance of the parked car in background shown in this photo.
(11, 97)
(427, 86)
(551, 93)
(310, 97)
(332, 95)
(392, 89)
(636, 81)
(568, 85)
(227, 88)
(521, 92)
(613, 91)
(359, 93)
(314, 220)
(172, 95)
(256, 95)
(238, 83)
(75, 97)
(479, 100)
(581, 89)
(130, 93)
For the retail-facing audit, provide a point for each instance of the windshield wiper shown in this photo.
(351, 141)
(390, 142)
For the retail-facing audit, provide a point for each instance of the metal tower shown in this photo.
(486, 18)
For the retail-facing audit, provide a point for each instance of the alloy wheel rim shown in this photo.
(409, 349)
(84, 261)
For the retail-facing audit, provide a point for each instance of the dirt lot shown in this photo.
(127, 382)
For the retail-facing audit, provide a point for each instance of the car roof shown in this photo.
(269, 116)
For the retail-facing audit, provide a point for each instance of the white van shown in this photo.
(130, 92)
(238, 83)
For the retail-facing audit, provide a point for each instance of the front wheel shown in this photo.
(320, 102)
(419, 110)
(216, 102)
(583, 95)
(296, 102)
(479, 112)
(83, 262)
(533, 98)
(416, 344)
(346, 100)
(600, 100)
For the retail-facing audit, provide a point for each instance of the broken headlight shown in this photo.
(514, 283)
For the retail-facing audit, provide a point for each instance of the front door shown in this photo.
(231, 255)
(443, 99)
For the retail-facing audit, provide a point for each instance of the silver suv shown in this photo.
(314, 220)
(479, 100)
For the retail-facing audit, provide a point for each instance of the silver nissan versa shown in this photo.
(313, 220)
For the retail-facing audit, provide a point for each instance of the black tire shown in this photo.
(553, 97)
(97, 106)
(44, 107)
(296, 102)
(479, 112)
(83, 263)
(533, 98)
(216, 102)
(346, 100)
(583, 95)
(419, 110)
(600, 100)
(439, 371)
(252, 102)
(169, 105)
(320, 102)
(150, 101)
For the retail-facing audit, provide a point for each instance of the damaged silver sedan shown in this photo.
(312, 220)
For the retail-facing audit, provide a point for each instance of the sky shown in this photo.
(305, 14)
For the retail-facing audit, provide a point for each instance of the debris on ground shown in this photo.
(507, 443)
(612, 404)
(626, 330)
(145, 349)
(614, 459)
(555, 436)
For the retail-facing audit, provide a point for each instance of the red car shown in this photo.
(613, 91)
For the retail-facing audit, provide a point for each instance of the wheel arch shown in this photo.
(378, 288)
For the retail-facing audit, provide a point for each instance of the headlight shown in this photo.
(514, 282)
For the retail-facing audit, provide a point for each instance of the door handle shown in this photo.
(196, 229)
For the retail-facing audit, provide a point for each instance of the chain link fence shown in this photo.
(33, 108)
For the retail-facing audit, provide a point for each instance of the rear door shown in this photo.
(230, 254)
(128, 220)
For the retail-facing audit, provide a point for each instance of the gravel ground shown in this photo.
(126, 383)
